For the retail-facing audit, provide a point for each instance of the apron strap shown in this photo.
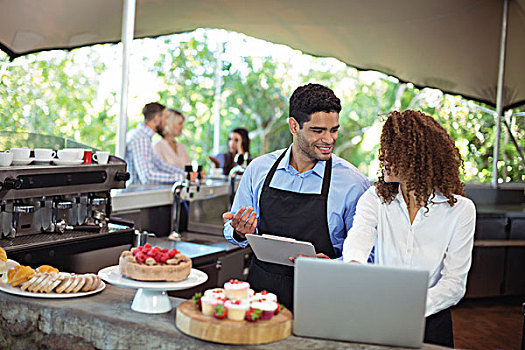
(269, 177)
(327, 177)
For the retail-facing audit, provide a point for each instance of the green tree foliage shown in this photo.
(56, 96)
(187, 70)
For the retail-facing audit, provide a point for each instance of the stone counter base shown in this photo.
(106, 321)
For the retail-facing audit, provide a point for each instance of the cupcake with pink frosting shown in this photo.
(267, 307)
(215, 292)
(235, 289)
(264, 296)
(208, 304)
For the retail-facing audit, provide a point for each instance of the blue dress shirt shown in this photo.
(346, 186)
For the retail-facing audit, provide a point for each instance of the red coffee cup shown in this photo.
(88, 154)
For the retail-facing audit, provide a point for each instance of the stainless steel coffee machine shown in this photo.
(49, 206)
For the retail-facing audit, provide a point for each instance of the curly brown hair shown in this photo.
(417, 148)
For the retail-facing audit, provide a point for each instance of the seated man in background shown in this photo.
(144, 165)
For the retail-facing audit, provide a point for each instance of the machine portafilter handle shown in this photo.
(12, 184)
(122, 176)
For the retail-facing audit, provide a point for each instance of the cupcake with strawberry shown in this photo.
(208, 304)
(268, 308)
(215, 292)
(237, 309)
(236, 289)
(264, 296)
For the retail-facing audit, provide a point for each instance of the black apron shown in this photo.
(301, 216)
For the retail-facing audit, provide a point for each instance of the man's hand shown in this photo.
(318, 256)
(243, 222)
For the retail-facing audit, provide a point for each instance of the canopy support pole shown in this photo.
(217, 102)
(501, 77)
(128, 27)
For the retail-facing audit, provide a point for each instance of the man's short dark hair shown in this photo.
(151, 110)
(312, 98)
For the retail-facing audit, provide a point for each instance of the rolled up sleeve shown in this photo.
(362, 235)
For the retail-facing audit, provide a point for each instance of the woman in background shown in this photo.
(417, 215)
(238, 151)
(168, 149)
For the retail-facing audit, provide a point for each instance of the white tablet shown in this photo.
(277, 250)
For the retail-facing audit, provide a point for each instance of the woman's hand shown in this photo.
(215, 161)
(318, 256)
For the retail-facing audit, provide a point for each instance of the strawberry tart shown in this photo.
(147, 263)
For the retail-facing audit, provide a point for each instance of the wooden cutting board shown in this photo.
(192, 322)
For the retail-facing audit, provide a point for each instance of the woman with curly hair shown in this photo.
(417, 215)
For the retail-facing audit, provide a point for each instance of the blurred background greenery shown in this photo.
(73, 95)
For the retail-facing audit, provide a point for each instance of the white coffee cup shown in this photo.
(6, 158)
(68, 154)
(20, 153)
(80, 153)
(101, 157)
(44, 153)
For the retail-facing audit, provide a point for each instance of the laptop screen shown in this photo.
(359, 303)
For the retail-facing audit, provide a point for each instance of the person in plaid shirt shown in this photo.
(144, 165)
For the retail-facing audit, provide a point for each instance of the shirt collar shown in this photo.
(318, 169)
(438, 198)
(147, 130)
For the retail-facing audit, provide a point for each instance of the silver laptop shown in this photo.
(359, 303)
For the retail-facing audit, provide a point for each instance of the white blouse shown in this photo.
(439, 241)
(163, 149)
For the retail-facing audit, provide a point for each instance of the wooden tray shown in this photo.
(192, 322)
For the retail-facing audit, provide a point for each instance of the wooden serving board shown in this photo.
(192, 322)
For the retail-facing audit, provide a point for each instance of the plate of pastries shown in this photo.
(45, 281)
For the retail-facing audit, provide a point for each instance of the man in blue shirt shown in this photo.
(143, 164)
(303, 192)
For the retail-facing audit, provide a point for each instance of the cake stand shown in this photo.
(151, 297)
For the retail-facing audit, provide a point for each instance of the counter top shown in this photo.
(106, 321)
(140, 197)
(154, 195)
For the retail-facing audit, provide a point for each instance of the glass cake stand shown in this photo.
(151, 297)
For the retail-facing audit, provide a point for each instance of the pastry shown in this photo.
(19, 274)
(208, 304)
(47, 268)
(3, 260)
(154, 264)
(236, 289)
(236, 309)
(264, 296)
(268, 308)
(215, 292)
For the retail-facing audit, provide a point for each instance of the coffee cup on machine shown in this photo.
(44, 154)
(6, 158)
(20, 153)
(101, 157)
(80, 153)
(68, 154)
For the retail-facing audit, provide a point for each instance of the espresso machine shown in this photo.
(50, 210)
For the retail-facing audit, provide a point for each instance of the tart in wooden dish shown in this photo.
(147, 263)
